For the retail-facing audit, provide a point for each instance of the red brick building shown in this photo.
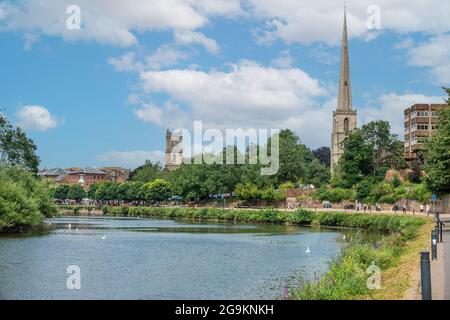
(85, 176)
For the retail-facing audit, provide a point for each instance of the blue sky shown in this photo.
(105, 94)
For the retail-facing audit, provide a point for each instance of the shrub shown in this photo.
(302, 217)
(334, 195)
(24, 199)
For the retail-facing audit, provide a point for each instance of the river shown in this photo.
(122, 258)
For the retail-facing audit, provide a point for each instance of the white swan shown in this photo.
(104, 237)
(308, 251)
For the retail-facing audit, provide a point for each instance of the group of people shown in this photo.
(366, 207)
(422, 208)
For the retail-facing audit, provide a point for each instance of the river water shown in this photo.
(121, 258)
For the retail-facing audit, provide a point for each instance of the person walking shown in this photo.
(404, 208)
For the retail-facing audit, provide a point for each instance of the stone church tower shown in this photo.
(344, 118)
(174, 150)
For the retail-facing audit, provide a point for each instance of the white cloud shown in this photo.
(285, 60)
(130, 159)
(117, 22)
(125, 63)
(252, 96)
(114, 21)
(404, 44)
(30, 39)
(191, 37)
(164, 56)
(307, 22)
(247, 95)
(36, 118)
(391, 109)
(435, 54)
(170, 115)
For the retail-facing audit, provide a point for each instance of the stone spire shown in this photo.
(345, 117)
(345, 88)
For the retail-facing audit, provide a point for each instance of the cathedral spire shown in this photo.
(344, 118)
(345, 89)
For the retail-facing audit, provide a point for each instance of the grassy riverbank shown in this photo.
(397, 254)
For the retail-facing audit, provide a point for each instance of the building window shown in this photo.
(346, 126)
(421, 139)
(422, 113)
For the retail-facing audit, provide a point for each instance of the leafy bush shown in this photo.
(302, 216)
(335, 195)
(24, 199)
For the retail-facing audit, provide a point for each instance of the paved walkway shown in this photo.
(440, 270)
(446, 257)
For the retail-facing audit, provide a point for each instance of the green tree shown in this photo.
(387, 149)
(248, 192)
(24, 198)
(268, 194)
(355, 163)
(92, 191)
(298, 163)
(363, 190)
(122, 191)
(76, 192)
(147, 172)
(437, 155)
(189, 181)
(416, 172)
(157, 190)
(61, 192)
(106, 191)
(16, 148)
(323, 154)
(369, 152)
(134, 192)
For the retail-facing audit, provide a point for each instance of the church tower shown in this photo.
(344, 118)
(174, 150)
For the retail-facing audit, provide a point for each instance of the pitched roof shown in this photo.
(91, 170)
(53, 172)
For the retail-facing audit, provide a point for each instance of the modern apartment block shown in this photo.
(420, 122)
